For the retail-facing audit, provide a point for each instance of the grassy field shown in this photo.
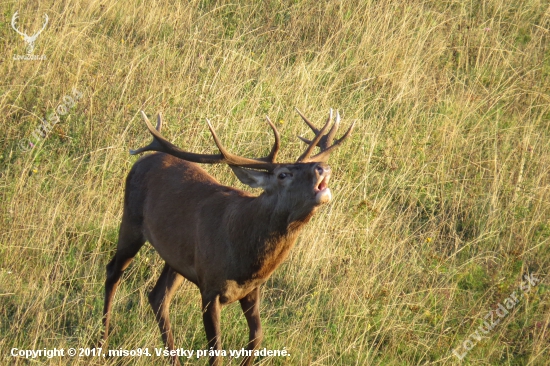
(441, 196)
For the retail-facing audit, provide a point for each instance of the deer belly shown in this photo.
(233, 291)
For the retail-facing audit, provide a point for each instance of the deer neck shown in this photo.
(269, 232)
(278, 219)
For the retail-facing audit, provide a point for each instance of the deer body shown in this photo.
(229, 225)
(224, 240)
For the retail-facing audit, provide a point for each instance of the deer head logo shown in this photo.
(28, 39)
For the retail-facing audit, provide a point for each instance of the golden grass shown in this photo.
(441, 195)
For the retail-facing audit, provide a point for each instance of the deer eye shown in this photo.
(284, 175)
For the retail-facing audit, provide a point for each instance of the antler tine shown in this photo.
(323, 155)
(313, 128)
(154, 144)
(304, 140)
(276, 145)
(332, 132)
(159, 121)
(305, 156)
(222, 149)
(324, 142)
(235, 160)
(160, 144)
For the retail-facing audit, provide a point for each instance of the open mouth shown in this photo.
(322, 184)
(322, 192)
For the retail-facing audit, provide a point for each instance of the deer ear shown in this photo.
(252, 178)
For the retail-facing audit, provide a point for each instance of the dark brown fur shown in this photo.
(224, 240)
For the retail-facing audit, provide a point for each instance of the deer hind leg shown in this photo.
(130, 240)
(160, 298)
(251, 309)
(211, 311)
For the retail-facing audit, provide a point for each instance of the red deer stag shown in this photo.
(224, 240)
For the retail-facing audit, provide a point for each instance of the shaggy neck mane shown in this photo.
(270, 233)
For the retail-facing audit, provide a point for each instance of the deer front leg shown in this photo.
(211, 310)
(251, 308)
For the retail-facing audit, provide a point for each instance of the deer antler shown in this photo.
(324, 142)
(275, 149)
(159, 143)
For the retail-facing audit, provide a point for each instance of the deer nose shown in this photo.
(322, 169)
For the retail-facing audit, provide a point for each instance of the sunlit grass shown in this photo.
(441, 196)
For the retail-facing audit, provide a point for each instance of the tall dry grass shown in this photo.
(442, 195)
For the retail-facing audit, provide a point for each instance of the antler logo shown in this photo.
(28, 39)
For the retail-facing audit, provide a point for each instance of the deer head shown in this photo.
(296, 187)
